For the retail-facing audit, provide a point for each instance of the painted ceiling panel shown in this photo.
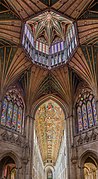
(49, 125)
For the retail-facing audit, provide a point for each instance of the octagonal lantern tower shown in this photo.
(49, 38)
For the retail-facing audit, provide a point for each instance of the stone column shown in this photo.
(97, 173)
(29, 130)
(69, 140)
(0, 106)
(97, 108)
(19, 173)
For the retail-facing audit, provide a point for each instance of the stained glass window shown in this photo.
(90, 114)
(14, 120)
(19, 119)
(94, 112)
(84, 115)
(80, 122)
(9, 171)
(86, 111)
(12, 111)
(4, 111)
(9, 114)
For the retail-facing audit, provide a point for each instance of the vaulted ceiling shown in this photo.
(49, 124)
(37, 81)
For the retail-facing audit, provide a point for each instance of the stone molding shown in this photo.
(86, 137)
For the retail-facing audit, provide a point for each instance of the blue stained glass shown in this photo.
(62, 45)
(9, 114)
(32, 41)
(51, 49)
(23, 40)
(73, 29)
(94, 112)
(55, 47)
(58, 46)
(28, 34)
(4, 109)
(30, 37)
(90, 116)
(14, 119)
(75, 41)
(73, 45)
(19, 119)
(25, 29)
(80, 123)
(70, 48)
(84, 114)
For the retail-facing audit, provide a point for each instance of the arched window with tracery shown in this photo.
(12, 112)
(86, 111)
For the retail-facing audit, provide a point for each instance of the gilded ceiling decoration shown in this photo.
(49, 125)
(49, 27)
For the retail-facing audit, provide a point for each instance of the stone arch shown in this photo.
(15, 159)
(89, 154)
(79, 90)
(56, 99)
(47, 168)
(54, 111)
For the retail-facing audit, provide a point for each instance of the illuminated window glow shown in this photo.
(12, 111)
(86, 111)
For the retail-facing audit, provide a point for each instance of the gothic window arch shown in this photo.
(12, 111)
(86, 111)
